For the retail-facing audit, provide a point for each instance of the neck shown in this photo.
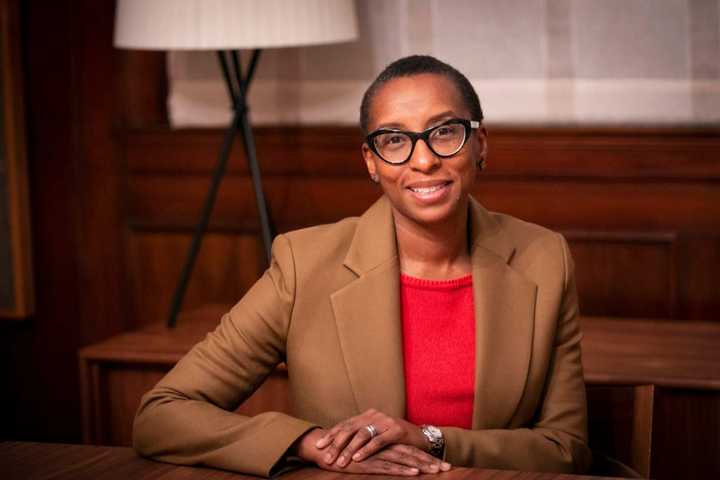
(437, 251)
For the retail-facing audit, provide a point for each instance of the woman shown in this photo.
(425, 333)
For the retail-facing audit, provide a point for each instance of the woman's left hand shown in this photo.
(352, 440)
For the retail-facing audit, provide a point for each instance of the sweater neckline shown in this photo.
(453, 283)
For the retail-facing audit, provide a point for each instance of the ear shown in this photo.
(482, 148)
(369, 158)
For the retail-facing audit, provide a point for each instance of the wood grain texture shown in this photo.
(643, 426)
(21, 461)
(638, 372)
(603, 258)
(17, 292)
(53, 334)
(650, 352)
(550, 152)
(640, 208)
(76, 87)
(226, 267)
(682, 411)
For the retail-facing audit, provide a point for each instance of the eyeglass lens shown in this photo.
(443, 140)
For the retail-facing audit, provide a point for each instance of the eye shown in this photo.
(445, 131)
(391, 140)
(394, 138)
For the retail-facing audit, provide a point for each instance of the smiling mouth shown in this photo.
(427, 190)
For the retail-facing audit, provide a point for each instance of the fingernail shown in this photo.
(356, 456)
(328, 458)
(446, 466)
(341, 460)
(414, 470)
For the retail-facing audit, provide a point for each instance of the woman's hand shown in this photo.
(351, 440)
(395, 459)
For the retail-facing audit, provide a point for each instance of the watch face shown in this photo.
(433, 430)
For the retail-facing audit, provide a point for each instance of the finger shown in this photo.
(423, 457)
(362, 419)
(339, 442)
(325, 440)
(409, 459)
(373, 465)
(376, 444)
(386, 467)
(360, 438)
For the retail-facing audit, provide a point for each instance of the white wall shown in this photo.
(585, 62)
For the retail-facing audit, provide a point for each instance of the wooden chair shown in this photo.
(621, 424)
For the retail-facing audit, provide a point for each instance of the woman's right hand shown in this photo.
(397, 459)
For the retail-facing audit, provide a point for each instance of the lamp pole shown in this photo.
(237, 86)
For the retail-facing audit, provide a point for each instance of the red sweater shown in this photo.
(439, 350)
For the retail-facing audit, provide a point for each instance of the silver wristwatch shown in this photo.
(435, 437)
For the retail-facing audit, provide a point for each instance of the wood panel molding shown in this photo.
(640, 207)
(549, 152)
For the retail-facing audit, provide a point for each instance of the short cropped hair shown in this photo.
(418, 65)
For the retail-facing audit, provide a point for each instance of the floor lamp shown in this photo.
(226, 26)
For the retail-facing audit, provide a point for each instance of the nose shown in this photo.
(423, 159)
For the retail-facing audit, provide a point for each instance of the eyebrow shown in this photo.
(446, 115)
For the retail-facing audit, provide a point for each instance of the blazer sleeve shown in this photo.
(188, 417)
(557, 440)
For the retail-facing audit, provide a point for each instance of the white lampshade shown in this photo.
(232, 24)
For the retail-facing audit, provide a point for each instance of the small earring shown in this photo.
(482, 163)
(374, 177)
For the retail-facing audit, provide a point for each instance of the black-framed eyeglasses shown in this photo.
(444, 140)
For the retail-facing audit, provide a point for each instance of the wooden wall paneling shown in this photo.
(17, 294)
(679, 414)
(75, 92)
(675, 153)
(631, 274)
(567, 205)
(698, 287)
(100, 248)
(607, 205)
(284, 150)
(639, 197)
(228, 264)
(143, 84)
(294, 201)
(39, 356)
(636, 154)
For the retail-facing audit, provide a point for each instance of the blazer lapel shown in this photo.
(504, 319)
(368, 318)
(367, 315)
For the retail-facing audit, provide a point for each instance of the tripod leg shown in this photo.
(218, 174)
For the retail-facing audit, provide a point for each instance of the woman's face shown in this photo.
(427, 189)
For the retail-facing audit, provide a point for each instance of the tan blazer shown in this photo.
(329, 306)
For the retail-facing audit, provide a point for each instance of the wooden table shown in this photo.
(653, 387)
(26, 461)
